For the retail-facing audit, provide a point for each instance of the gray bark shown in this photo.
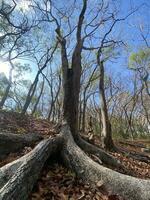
(128, 187)
(38, 99)
(100, 153)
(18, 178)
(107, 141)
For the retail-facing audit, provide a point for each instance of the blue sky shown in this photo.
(131, 33)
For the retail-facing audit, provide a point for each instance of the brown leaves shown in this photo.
(13, 156)
(59, 183)
(16, 123)
(140, 169)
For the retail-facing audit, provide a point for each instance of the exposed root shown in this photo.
(137, 156)
(18, 177)
(100, 153)
(128, 187)
(10, 143)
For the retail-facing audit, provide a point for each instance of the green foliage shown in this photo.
(140, 58)
(21, 69)
(37, 114)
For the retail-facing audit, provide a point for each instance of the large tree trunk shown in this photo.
(70, 102)
(18, 178)
(71, 75)
(15, 142)
(71, 87)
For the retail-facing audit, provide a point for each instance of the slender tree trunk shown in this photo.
(80, 113)
(58, 109)
(144, 107)
(30, 94)
(2, 102)
(84, 113)
(85, 99)
(39, 97)
(34, 84)
(53, 102)
(107, 141)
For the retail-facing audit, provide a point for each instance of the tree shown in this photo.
(35, 82)
(139, 63)
(107, 141)
(19, 177)
(11, 37)
(38, 99)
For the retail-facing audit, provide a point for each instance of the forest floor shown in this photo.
(57, 182)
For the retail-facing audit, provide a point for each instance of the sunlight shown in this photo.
(4, 68)
(23, 5)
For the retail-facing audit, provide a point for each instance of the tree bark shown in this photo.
(38, 99)
(71, 75)
(107, 141)
(19, 177)
(35, 82)
(101, 154)
(126, 186)
(30, 94)
(10, 143)
(2, 102)
(5, 96)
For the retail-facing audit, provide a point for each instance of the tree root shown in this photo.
(101, 154)
(10, 143)
(136, 156)
(18, 177)
(139, 145)
(128, 187)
